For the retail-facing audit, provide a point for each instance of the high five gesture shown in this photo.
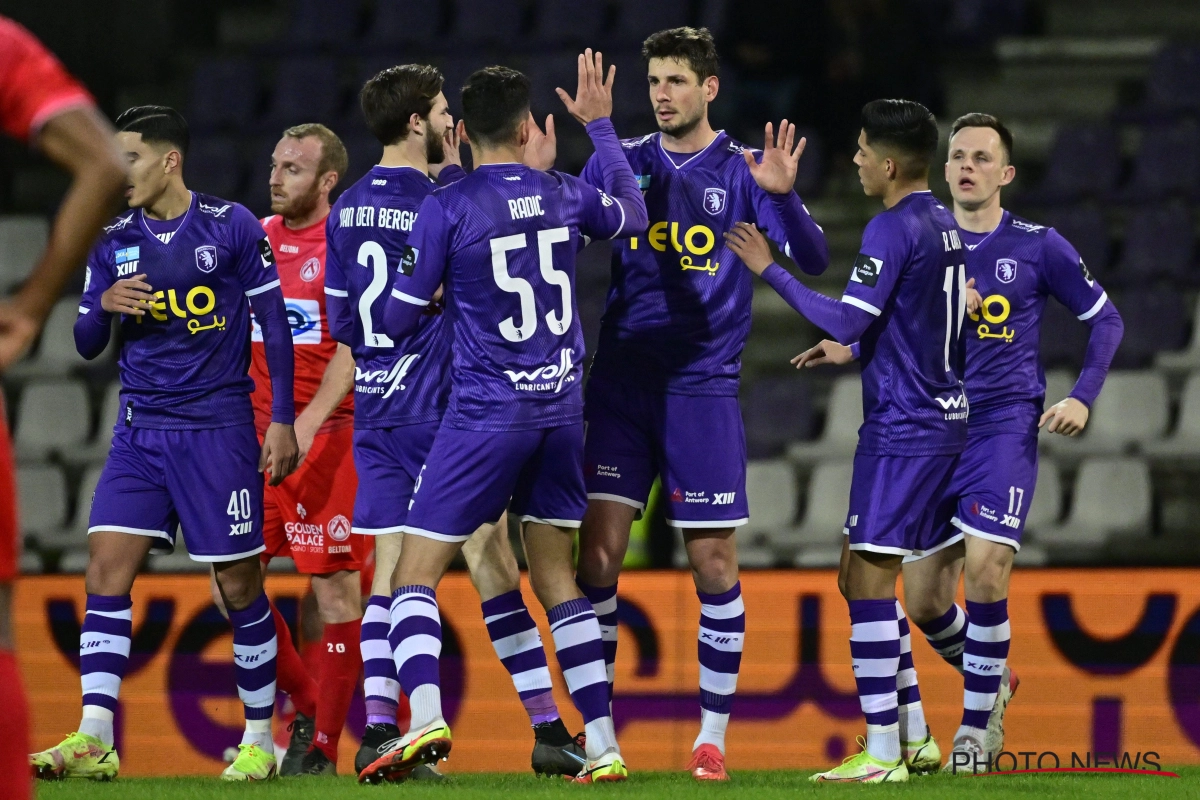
(593, 96)
(780, 161)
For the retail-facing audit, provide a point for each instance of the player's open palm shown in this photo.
(541, 147)
(776, 173)
(1068, 417)
(128, 296)
(593, 95)
(280, 452)
(827, 352)
(451, 150)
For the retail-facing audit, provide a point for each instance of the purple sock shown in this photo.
(604, 602)
(416, 639)
(580, 655)
(947, 635)
(986, 651)
(104, 643)
(519, 646)
(381, 688)
(913, 727)
(875, 652)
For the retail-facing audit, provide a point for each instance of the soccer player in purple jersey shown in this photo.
(502, 241)
(400, 391)
(905, 303)
(178, 270)
(662, 395)
(1017, 265)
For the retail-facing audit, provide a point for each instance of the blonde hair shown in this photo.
(333, 153)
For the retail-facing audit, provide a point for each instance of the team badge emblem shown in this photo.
(714, 201)
(311, 269)
(339, 528)
(1006, 270)
(206, 258)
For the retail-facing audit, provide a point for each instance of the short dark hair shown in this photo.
(977, 120)
(693, 46)
(904, 126)
(393, 95)
(495, 103)
(157, 125)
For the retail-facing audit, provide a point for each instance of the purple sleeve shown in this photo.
(1105, 337)
(338, 313)
(93, 326)
(450, 173)
(271, 313)
(876, 270)
(790, 225)
(255, 260)
(842, 321)
(856, 351)
(622, 211)
(421, 270)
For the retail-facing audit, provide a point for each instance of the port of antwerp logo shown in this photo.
(714, 201)
(206, 258)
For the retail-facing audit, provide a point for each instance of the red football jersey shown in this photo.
(34, 85)
(300, 257)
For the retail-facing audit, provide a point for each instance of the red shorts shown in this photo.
(307, 517)
(10, 529)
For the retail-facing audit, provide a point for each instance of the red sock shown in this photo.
(403, 714)
(15, 780)
(290, 675)
(341, 664)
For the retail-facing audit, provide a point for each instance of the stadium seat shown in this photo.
(1084, 160)
(225, 94)
(52, 416)
(547, 71)
(83, 498)
(22, 240)
(637, 19)
(1159, 243)
(215, 166)
(306, 90)
(776, 411)
(56, 354)
(96, 449)
(42, 492)
(1184, 442)
(1167, 164)
(1131, 410)
(568, 22)
(771, 494)
(282, 565)
(1112, 497)
(487, 21)
(74, 562)
(177, 561)
(1087, 231)
(1187, 359)
(1174, 80)
(751, 557)
(1059, 383)
(1047, 505)
(401, 22)
(1155, 320)
(843, 417)
(31, 563)
(818, 537)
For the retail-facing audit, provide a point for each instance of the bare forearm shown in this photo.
(336, 383)
(80, 142)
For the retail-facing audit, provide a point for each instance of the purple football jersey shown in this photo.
(910, 275)
(1016, 268)
(184, 365)
(395, 382)
(678, 309)
(503, 241)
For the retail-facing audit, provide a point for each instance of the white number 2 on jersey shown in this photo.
(371, 255)
(558, 323)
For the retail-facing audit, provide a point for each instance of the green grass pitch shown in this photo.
(749, 785)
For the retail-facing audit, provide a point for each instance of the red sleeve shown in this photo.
(34, 85)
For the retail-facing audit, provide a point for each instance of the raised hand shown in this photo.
(780, 160)
(540, 148)
(128, 296)
(452, 152)
(593, 96)
(827, 352)
(748, 244)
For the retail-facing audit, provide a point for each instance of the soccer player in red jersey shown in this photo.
(307, 517)
(40, 103)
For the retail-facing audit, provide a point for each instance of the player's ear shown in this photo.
(416, 124)
(1007, 174)
(462, 132)
(329, 180)
(711, 85)
(172, 161)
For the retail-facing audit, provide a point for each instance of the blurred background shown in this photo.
(1103, 98)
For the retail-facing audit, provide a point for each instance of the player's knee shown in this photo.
(241, 583)
(108, 574)
(713, 567)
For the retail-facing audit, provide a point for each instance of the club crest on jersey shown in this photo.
(714, 200)
(310, 270)
(339, 528)
(1006, 270)
(206, 258)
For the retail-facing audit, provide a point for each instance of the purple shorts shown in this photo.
(695, 442)
(206, 481)
(990, 493)
(470, 477)
(895, 501)
(388, 461)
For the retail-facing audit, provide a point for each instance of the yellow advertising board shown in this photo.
(1109, 662)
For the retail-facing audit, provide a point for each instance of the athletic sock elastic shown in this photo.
(722, 634)
(340, 665)
(104, 643)
(518, 644)
(947, 635)
(381, 688)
